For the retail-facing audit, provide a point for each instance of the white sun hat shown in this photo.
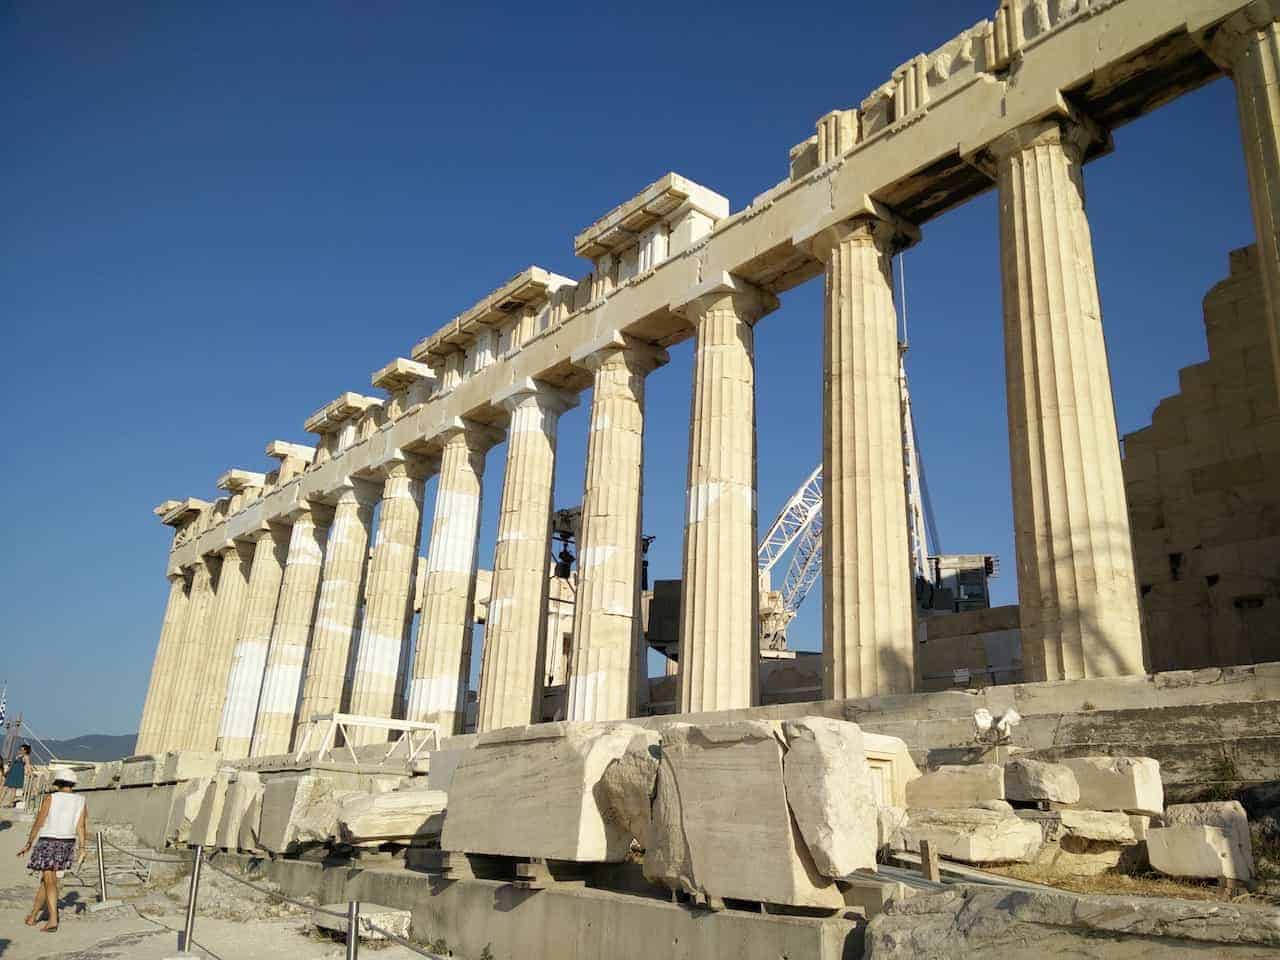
(65, 774)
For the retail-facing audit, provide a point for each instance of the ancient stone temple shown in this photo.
(309, 701)
(284, 584)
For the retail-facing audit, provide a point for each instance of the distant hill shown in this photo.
(94, 746)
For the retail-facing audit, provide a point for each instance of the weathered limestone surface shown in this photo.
(627, 785)
(1076, 589)
(241, 808)
(868, 596)
(718, 602)
(153, 708)
(1197, 850)
(534, 792)
(391, 919)
(388, 597)
(608, 658)
(442, 662)
(830, 793)
(957, 785)
(891, 767)
(1248, 46)
(179, 765)
(204, 828)
(244, 682)
(1096, 825)
(188, 658)
(720, 799)
(401, 814)
(1032, 925)
(140, 770)
(224, 630)
(341, 587)
(1027, 780)
(187, 801)
(973, 835)
(1227, 815)
(514, 650)
(1131, 784)
(295, 612)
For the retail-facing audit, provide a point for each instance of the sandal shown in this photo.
(48, 929)
(31, 918)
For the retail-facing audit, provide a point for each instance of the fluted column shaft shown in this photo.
(224, 631)
(868, 647)
(151, 725)
(606, 626)
(719, 644)
(249, 660)
(442, 660)
(1248, 47)
(388, 597)
(187, 659)
(1076, 586)
(511, 681)
(341, 587)
(286, 656)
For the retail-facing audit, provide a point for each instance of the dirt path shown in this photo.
(145, 926)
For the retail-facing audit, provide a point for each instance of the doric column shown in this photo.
(388, 595)
(299, 586)
(1076, 587)
(249, 660)
(1247, 46)
(514, 650)
(341, 587)
(868, 647)
(224, 630)
(152, 723)
(442, 661)
(719, 642)
(606, 622)
(187, 658)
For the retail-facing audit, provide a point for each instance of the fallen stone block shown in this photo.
(973, 835)
(1028, 780)
(182, 765)
(829, 790)
(721, 825)
(390, 919)
(297, 810)
(140, 771)
(189, 797)
(627, 785)
(1195, 850)
(957, 786)
(534, 792)
(441, 766)
(241, 801)
(1229, 815)
(204, 828)
(891, 768)
(1131, 784)
(1097, 825)
(889, 824)
(402, 815)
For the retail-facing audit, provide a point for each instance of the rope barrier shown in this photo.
(401, 941)
(139, 856)
(272, 893)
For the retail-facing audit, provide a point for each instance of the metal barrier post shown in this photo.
(189, 927)
(353, 929)
(103, 903)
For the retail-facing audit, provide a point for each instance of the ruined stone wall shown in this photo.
(1203, 501)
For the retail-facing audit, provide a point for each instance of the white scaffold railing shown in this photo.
(323, 731)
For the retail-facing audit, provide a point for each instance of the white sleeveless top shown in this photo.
(64, 816)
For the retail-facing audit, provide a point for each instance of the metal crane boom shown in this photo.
(793, 519)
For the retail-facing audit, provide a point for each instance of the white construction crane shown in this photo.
(799, 525)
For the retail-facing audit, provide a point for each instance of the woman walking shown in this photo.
(59, 824)
(16, 776)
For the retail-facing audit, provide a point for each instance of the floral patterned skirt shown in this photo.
(52, 853)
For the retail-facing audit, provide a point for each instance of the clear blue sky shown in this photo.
(218, 216)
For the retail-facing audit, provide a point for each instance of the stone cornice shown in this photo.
(337, 412)
(662, 200)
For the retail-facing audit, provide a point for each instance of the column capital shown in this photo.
(314, 510)
(1073, 130)
(748, 301)
(548, 398)
(888, 232)
(1227, 41)
(261, 531)
(640, 357)
(354, 490)
(228, 547)
(476, 437)
(411, 465)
